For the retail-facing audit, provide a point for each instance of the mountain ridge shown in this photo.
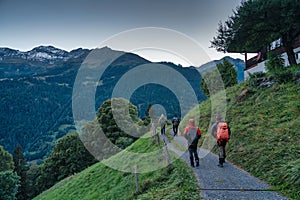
(37, 94)
(52, 55)
(43, 52)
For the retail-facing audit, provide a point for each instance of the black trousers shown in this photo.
(175, 129)
(222, 153)
(193, 155)
(163, 130)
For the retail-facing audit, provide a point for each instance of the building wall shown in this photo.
(262, 68)
(259, 68)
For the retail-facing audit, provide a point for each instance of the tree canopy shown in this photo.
(6, 160)
(119, 121)
(9, 183)
(257, 23)
(9, 180)
(68, 157)
(228, 78)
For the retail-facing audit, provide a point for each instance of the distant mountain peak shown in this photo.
(46, 54)
(48, 49)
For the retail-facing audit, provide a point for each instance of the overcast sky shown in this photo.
(70, 24)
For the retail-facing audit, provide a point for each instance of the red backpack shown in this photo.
(222, 131)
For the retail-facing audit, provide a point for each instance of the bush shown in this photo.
(275, 63)
(288, 74)
(284, 76)
(256, 79)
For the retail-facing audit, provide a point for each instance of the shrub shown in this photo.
(256, 79)
(283, 76)
(275, 63)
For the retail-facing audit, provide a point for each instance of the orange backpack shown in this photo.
(222, 131)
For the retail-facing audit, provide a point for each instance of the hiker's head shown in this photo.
(192, 122)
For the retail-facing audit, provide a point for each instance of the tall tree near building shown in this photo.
(256, 23)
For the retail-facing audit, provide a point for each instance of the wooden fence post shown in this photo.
(158, 139)
(167, 155)
(136, 179)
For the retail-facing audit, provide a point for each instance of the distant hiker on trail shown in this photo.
(153, 129)
(162, 122)
(192, 133)
(175, 122)
(221, 131)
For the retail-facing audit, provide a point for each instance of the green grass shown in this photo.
(265, 133)
(176, 181)
(265, 142)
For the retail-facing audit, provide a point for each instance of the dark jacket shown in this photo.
(174, 121)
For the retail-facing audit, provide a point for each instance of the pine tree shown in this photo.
(21, 169)
(228, 73)
(255, 24)
(218, 79)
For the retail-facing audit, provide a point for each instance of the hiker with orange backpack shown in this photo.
(221, 131)
(192, 133)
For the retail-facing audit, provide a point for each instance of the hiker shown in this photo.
(175, 122)
(162, 122)
(192, 133)
(221, 132)
(153, 129)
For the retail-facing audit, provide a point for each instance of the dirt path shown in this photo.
(229, 182)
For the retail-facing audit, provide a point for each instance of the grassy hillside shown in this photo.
(101, 182)
(265, 133)
(265, 142)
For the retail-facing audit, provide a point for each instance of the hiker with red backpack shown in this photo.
(221, 131)
(192, 133)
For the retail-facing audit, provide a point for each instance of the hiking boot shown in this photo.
(221, 161)
(192, 162)
(197, 164)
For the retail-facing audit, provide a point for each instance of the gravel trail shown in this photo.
(229, 182)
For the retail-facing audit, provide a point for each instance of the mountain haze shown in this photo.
(36, 93)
